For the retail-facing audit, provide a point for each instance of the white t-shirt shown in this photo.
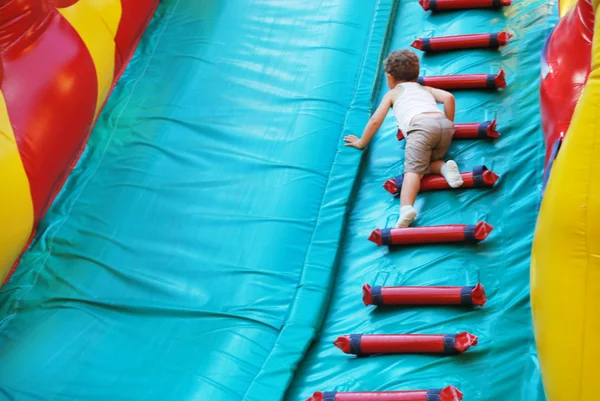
(412, 101)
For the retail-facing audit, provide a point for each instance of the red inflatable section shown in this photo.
(484, 130)
(466, 81)
(431, 234)
(134, 19)
(478, 178)
(566, 64)
(371, 344)
(446, 394)
(51, 113)
(426, 295)
(52, 110)
(479, 41)
(443, 5)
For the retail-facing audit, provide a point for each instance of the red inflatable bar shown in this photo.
(480, 41)
(484, 130)
(370, 344)
(446, 394)
(468, 295)
(431, 234)
(443, 5)
(478, 178)
(465, 81)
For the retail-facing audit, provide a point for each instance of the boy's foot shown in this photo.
(407, 215)
(451, 174)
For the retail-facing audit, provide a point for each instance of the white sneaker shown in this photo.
(452, 174)
(407, 215)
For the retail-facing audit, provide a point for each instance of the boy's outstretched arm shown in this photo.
(372, 126)
(446, 98)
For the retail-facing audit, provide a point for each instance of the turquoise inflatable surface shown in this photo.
(216, 227)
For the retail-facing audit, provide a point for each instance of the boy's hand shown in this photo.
(353, 141)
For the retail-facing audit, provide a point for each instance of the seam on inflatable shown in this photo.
(51, 238)
(588, 261)
(496, 325)
(317, 322)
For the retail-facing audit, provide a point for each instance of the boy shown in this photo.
(427, 130)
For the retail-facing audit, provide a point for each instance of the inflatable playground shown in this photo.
(182, 221)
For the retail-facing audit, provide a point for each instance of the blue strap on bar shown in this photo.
(449, 344)
(478, 175)
(355, 344)
(482, 130)
(421, 80)
(434, 395)
(494, 43)
(433, 5)
(470, 233)
(465, 295)
(386, 236)
(490, 81)
(376, 298)
(426, 42)
(329, 396)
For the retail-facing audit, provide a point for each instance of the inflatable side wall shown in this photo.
(58, 62)
(565, 266)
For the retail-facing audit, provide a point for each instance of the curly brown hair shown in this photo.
(402, 65)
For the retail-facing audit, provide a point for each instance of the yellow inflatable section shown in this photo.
(16, 207)
(565, 270)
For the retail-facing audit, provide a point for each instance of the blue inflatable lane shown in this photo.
(504, 363)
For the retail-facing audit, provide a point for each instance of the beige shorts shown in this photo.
(427, 140)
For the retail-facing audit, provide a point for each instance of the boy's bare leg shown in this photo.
(436, 166)
(449, 170)
(408, 194)
(410, 188)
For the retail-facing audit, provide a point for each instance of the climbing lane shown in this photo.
(428, 330)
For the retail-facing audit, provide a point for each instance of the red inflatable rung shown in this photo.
(466, 81)
(441, 5)
(468, 295)
(442, 43)
(370, 344)
(484, 130)
(449, 393)
(478, 178)
(431, 234)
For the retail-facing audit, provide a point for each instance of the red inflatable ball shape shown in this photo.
(431, 234)
(424, 295)
(483, 130)
(478, 178)
(566, 65)
(465, 81)
(479, 41)
(443, 5)
(371, 344)
(449, 393)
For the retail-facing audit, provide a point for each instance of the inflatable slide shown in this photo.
(181, 220)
